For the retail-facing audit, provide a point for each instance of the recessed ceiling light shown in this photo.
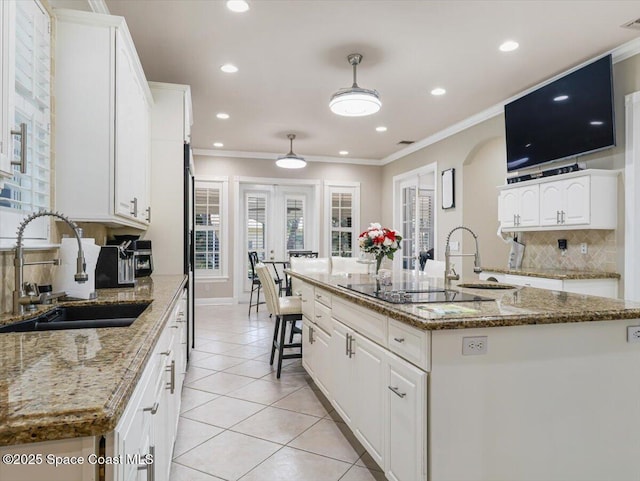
(238, 6)
(438, 91)
(560, 98)
(222, 116)
(218, 144)
(382, 128)
(509, 46)
(344, 152)
(229, 68)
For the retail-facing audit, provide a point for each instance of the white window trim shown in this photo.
(331, 186)
(223, 182)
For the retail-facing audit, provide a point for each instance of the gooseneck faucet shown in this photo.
(20, 297)
(449, 273)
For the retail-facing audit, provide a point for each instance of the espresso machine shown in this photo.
(116, 267)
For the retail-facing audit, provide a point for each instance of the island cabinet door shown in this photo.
(308, 351)
(370, 390)
(406, 445)
(322, 360)
(342, 366)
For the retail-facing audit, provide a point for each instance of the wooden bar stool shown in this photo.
(287, 310)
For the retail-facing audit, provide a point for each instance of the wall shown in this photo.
(370, 185)
(478, 155)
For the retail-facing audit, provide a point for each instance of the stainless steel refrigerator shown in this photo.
(189, 243)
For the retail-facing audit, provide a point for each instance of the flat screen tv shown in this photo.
(572, 115)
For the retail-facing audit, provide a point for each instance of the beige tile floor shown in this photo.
(239, 422)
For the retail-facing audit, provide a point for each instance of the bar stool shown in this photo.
(287, 310)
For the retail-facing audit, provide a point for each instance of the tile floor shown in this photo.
(238, 421)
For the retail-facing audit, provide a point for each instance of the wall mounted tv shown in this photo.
(566, 118)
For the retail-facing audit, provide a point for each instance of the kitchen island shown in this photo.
(527, 384)
(68, 391)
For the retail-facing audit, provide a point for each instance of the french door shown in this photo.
(276, 219)
(415, 203)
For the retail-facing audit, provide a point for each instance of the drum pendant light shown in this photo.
(291, 160)
(355, 101)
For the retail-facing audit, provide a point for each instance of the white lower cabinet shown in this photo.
(603, 287)
(350, 353)
(406, 445)
(148, 426)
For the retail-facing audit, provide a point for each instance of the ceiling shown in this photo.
(291, 57)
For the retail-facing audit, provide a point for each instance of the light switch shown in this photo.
(454, 246)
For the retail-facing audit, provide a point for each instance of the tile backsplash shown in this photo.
(542, 251)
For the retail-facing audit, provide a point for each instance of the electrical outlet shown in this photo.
(583, 248)
(633, 334)
(473, 346)
(454, 246)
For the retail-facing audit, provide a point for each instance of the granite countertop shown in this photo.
(50, 389)
(555, 273)
(507, 307)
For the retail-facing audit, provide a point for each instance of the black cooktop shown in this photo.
(412, 293)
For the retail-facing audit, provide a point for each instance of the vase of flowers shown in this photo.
(379, 241)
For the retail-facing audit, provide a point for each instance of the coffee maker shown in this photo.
(142, 258)
(115, 267)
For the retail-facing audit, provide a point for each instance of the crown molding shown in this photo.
(272, 156)
(618, 54)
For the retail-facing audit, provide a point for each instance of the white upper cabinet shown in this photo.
(519, 207)
(565, 202)
(586, 199)
(102, 122)
(25, 119)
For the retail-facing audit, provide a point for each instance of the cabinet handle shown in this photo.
(351, 353)
(166, 353)
(557, 217)
(171, 385)
(397, 392)
(346, 345)
(150, 467)
(518, 219)
(310, 335)
(562, 216)
(398, 339)
(23, 148)
(148, 216)
(174, 327)
(153, 409)
(134, 207)
(318, 296)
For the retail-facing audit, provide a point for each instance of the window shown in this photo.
(342, 210)
(29, 105)
(294, 223)
(210, 256)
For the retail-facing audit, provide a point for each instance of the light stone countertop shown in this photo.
(49, 391)
(561, 274)
(508, 307)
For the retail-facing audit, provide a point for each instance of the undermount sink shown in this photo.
(80, 317)
(486, 285)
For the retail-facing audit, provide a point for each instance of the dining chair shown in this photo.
(287, 310)
(348, 265)
(303, 254)
(255, 281)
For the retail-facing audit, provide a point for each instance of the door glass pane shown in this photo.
(341, 224)
(256, 226)
(295, 224)
(408, 227)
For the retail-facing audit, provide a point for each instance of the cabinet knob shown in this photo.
(398, 339)
(153, 409)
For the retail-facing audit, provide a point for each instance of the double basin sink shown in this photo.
(80, 317)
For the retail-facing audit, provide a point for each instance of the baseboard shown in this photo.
(215, 301)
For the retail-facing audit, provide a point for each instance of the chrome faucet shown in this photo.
(20, 296)
(449, 273)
